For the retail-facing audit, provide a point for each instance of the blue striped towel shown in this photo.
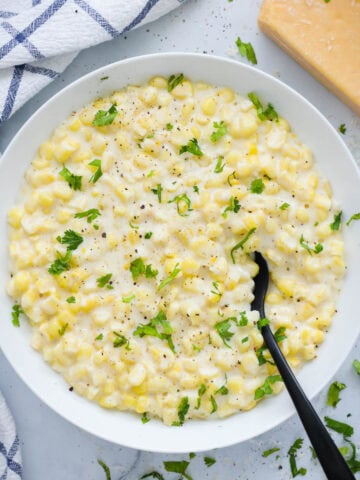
(39, 38)
(10, 458)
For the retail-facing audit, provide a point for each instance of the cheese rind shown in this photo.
(322, 37)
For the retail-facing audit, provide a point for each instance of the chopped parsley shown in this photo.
(98, 173)
(183, 204)
(317, 249)
(284, 206)
(128, 299)
(148, 235)
(209, 461)
(214, 405)
(61, 264)
(257, 186)
(196, 189)
(105, 281)
(192, 147)
(150, 272)
(106, 469)
(171, 277)
(269, 452)
(104, 78)
(133, 226)
(71, 299)
(356, 365)
(356, 216)
(178, 467)
(219, 167)
(74, 181)
(335, 225)
(158, 191)
(169, 127)
(151, 329)
(145, 419)
(15, 314)
(223, 390)
(223, 327)
(339, 427)
(183, 409)
(216, 290)
(138, 267)
(232, 177)
(266, 389)
(279, 335)
(219, 132)
(71, 239)
(201, 392)
(62, 330)
(174, 81)
(234, 206)
(268, 113)
(246, 50)
(192, 455)
(100, 336)
(353, 463)
(333, 396)
(342, 128)
(295, 471)
(90, 215)
(262, 322)
(245, 339)
(241, 243)
(120, 341)
(105, 117)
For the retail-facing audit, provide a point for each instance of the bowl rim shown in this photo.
(191, 57)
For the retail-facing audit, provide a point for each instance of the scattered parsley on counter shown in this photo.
(356, 216)
(71, 239)
(120, 341)
(105, 117)
(183, 204)
(145, 419)
(246, 50)
(356, 365)
(156, 475)
(333, 396)
(105, 281)
(284, 206)
(192, 147)
(317, 249)
(61, 264)
(74, 181)
(257, 186)
(269, 452)
(183, 409)
(178, 467)
(295, 471)
(219, 167)
(71, 299)
(201, 391)
(174, 81)
(339, 427)
(353, 463)
(15, 314)
(90, 215)
(158, 191)
(269, 113)
(335, 225)
(62, 330)
(192, 455)
(209, 461)
(241, 243)
(342, 128)
(219, 132)
(266, 389)
(151, 328)
(106, 469)
(98, 173)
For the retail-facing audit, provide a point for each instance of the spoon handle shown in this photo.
(332, 461)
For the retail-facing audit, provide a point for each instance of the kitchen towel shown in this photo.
(40, 38)
(10, 458)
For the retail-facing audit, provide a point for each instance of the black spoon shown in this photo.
(331, 460)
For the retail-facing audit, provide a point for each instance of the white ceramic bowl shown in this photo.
(335, 162)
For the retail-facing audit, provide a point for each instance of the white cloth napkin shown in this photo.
(39, 38)
(10, 457)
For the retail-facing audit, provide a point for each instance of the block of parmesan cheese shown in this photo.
(322, 36)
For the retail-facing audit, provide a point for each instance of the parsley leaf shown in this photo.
(138, 267)
(71, 239)
(241, 243)
(269, 452)
(342, 128)
(292, 458)
(201, 391)
(257, 186)
(105, 117)
(151, 329)
(356, 216)
(353, 463)
(105, 281)
(149, 272)
(148, 235)
(219, 167)
(339, 427)
(335, 225)
(169, 127)
(333, 396)
(213, 404)
(183, 204)
(90, 215)
(158, 191)
(266, 389)
(174, 81)
(156, 475)
(145, 419)
(183, 409)
(120, 340)
(223, 390)
(61, 264)
(192, 147)
(317, 249)
(99, 337)
(284, 206)
(98, 173)
(171, 277)
(233, 177)
(356, 365)
(246, 50)
(71, 299)
(74, 181)
(178, 467)
(106, 469)
(219, 132)
(269, 113)
(128, 299)
(279, 335)
(209, 461)
(196, 189)
(15, 314)
(223, 330)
